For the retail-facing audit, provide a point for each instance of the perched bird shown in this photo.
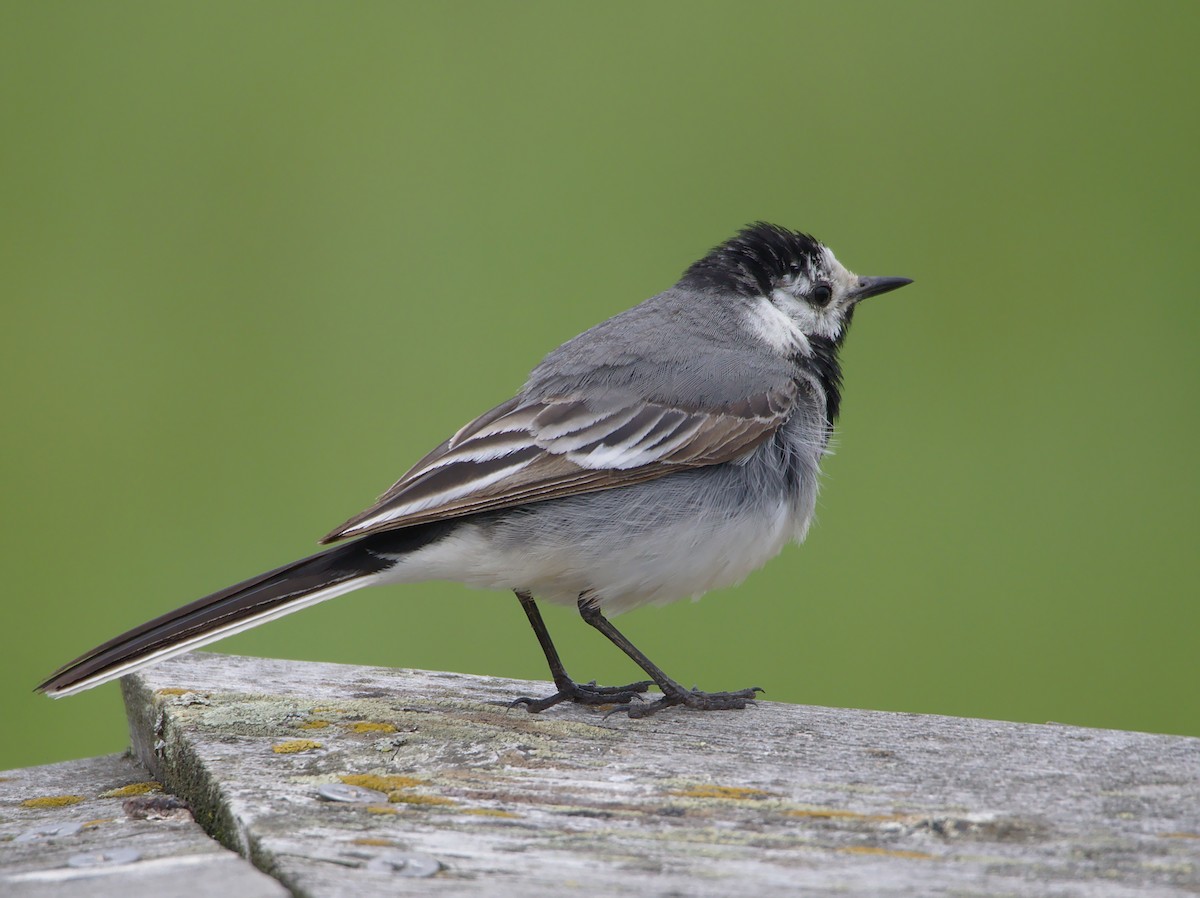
(669, 450)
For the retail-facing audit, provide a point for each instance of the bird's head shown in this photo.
(795, 288)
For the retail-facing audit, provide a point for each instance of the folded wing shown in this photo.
(526, 451)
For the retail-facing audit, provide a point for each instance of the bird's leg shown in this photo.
(673, 692)
(568, 689)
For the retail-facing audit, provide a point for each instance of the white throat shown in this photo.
(775, 327)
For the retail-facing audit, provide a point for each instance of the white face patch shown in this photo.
(776, 327)
(788, 303)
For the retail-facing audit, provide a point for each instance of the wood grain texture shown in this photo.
(132, 840)
(778, 799)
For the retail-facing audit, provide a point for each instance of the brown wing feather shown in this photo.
(517, 454)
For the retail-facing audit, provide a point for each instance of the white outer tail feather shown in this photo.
(179, 648)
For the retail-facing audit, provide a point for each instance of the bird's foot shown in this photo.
(585, 694)
(696, 700)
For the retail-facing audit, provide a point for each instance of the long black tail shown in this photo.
(300, 584)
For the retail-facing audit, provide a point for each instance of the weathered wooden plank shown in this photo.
(100, 828)
(776, 799)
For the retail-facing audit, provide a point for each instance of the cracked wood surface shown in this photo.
(469, 798)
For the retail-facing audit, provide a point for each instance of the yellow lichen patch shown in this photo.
(492, 812)
(172, 690)
(887, 852)
(91, 824)
(393, 787)
(132, 789)
(295, 745)
(379, 843)
(372, 727)
(726, 792)
(1179, 835)
(314, 724)
(52, 801)
(380, 782)
(831, 814)
(427, 800)
(380, 809)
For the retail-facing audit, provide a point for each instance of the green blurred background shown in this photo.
(257, 258)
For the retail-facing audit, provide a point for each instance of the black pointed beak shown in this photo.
(874, 286)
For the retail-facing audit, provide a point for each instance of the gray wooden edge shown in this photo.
(102, 827)
(470, 798)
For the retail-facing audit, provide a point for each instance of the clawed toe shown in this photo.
(695, 700)
(585, 694)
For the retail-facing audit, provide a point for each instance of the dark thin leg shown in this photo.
(568, 689)
(557, 671)
(673, 693)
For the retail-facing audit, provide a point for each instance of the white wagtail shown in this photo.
(668, 451)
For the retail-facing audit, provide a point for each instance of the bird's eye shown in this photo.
(821, 294)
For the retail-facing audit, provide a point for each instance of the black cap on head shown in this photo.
(753, 262)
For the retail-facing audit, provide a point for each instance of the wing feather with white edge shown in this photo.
(521, 452)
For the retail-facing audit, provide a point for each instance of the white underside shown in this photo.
(655, 567)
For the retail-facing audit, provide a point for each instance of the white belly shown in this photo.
(656, 567)
(650, 543)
